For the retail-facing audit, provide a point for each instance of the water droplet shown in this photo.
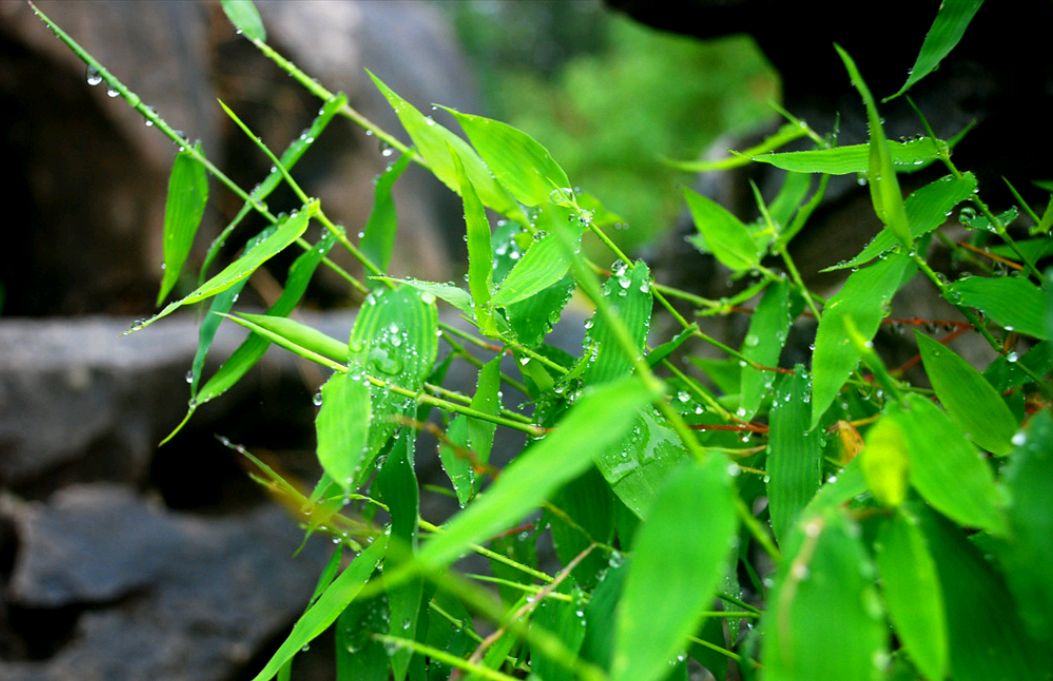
(317, 399)
(752, 340)
(190, 376)
(1012, 357)
(1019, 438)
(112, 92)
(93, 76)
(523, 361)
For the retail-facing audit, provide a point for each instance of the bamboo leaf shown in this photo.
(784, 135)
(342, 428)
(457, 297)
(455, 462)
(853, 158)
(327, 608)
(948, 28)
(927, 209)
(629, 291)
(885, 461)
(881, 173)
(763, 344)
(722, 234)
(595, 422)
(666, 590)
(545, 263)
(598, 646)
(487, 399)
(824, 602)
(864, 300)
(296, 336)
(288, 231)
(795, 455)
(433, 142)
(968, 397)
(519, 162)
(912, 592)
(1012, 302)
(480, 254)
(1027, 557)
(246, 18)
(566, 621)
(184, 208)
(946, 469)
(378, 237)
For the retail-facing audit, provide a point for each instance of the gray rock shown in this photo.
(164, 596)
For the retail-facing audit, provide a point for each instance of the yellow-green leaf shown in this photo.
(246, 18)
(948, 28)
(885, 462)
(184, 208)
(722, 234)
(342, 427)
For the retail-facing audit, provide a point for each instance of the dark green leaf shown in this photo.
(378, 237)
(184, 208)
(246, 18)
(660, 352)
(327, 608)
(593, 424)
(824, 619)
(598, 646)
(566, 621)
(722, 234)
(795, 455)
(1012, 302)
(1003, 374)
(968, 397)
(912, 593)
(587, 502)
(629, 292)
(948, 28)
(519, 162)
(666, 590)
(864, 300)
(763, 344)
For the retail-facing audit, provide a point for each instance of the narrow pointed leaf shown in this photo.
(246, 18)
(433, 142)
(853, 158)
(763, 344)
(342, 427)
(1012, 302)
(795, 455)
(487, 399)
(184, 208)
(453, 455)
(985, 636)
(912, 593)
(300, 335)
(946, 469)
(784, 135)
(863, 299)
(968, 397)
(378, 237)
(722, 233)
(282, 339)
(927, 209)
(1029, 552)
(288, 231)
(668, 588)
(519, 162)
(480, 254)
(454, 295)
(824, 620)
(327, 608)
(948, 28)
(629, 291)
(545, 263)
(566, 621)
(881, 173)
(595, 422)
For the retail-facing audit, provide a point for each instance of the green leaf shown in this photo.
(722, 234)
(592, 425)
(487, 399)
(667, 590)
(455, 461)
(661, 352)
(519, 162)
(480, 254)
(763, 344)
(945, 467)
(1004, 374)
(545, 263)
(637, 464)
(864, 299)
(985, 636)
(927, 209)
(629, 291)
(343, 428)
(378, 237)
(359, 656)
(1029, 552)
(784, 135)
(1012, 302)
(433, 142)
(565, 621)
(587, 502)
(853, 158)
(394, 339)
(246, 18)
(296, 337)
(184, 208)
(824, 619)
(454, 295)
(912, 593)
(327, 608)
(881, 173)
(968, 397)
(948, 28)
(289, 230)
(600, 622)
(795, 455)
(885, 461)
